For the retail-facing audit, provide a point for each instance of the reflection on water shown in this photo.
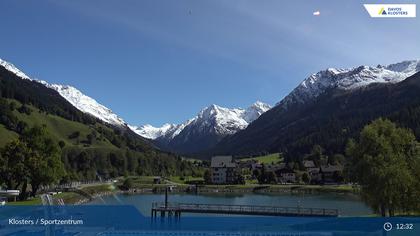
(347, 204)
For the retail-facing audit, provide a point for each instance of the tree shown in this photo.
(32, 159)
(13, 171)
(74, 135)
(25, 109)
(336, 159)
(44, 158)
(306, 178)
(127, 184)
(62, 144)
(317, 155)
(207, 177)
(382, 163)
(266, 177)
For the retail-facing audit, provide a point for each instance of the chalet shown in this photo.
(331, 173)
(256, 166)
(286, 175)
(309, 165)
(246, 164)
(315, 174)
(313, 171)
(223, 170)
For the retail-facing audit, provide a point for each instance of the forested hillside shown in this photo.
(328, 121)
(89, 148)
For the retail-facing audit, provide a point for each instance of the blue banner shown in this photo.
(127, 220)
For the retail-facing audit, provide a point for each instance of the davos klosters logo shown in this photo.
(391, 10)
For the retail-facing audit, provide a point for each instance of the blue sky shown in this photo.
(162, 61)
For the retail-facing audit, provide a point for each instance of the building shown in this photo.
(315, 174)
(313, 171)
(286, 175)
(223, 170)
(309, 165)
(331, 173)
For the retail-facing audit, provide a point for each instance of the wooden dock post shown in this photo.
(166, 197)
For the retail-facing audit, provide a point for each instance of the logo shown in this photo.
(391, 10)
(382, 11)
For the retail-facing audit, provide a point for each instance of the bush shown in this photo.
(127, 184)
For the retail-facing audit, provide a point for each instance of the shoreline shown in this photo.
(74, 198)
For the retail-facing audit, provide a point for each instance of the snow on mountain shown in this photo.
(167, 131)
(75, 97)
(348, 79)
(86, 104)
(10, 67)
(151, 132)
(255, 110)
(222, 121)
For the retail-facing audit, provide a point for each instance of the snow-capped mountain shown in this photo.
(12, 68)
(221, 120)
(348, 79)
(86, 104)
(306, 118)
(151, 132)
(75, 97)
(204, 130)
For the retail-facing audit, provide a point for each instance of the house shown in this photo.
(223, 170)
(274, 167)
(315, 174)
(331, 173)
(286, 175)
(308, 164)
(256, 166)
(246, 164)
(313, 171)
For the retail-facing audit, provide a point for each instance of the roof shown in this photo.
(314, 170)
(222, 161)
(285, 170)
(331, 168)
(308, 164)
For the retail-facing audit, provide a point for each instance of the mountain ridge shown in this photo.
(328, 120)
(210, 125)
(74, 96)
(349, 79)
(214, 123)
(240, 117)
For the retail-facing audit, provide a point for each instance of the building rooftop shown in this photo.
(331, 168)
(309, 164)
(222, 161)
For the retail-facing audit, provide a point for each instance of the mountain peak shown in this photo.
(222, 121)
(151, 132)
(409, 66)
(348, 79)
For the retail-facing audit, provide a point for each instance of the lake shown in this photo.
(347, 204)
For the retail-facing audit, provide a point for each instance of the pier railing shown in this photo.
(242, 209)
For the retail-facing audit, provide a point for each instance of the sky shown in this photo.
(162, 61)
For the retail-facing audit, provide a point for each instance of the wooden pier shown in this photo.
(176, 209)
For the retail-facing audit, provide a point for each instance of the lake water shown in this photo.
(347, 204)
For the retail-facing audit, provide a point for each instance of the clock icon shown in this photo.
(387, 226)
